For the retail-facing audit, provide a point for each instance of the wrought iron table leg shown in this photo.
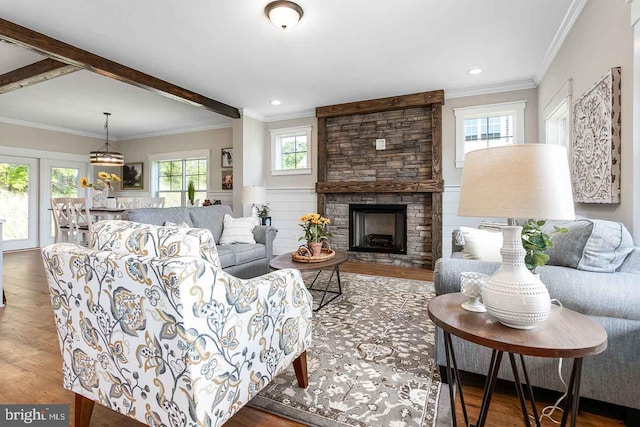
(450, 377)
(458, 381)
(519, 391)
(490, 385)
(573, 394)
(325, 291)
(530, 391)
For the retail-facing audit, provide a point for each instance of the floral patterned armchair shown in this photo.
(171, 340)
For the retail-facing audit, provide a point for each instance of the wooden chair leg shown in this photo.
(300, 366)
(83, 410)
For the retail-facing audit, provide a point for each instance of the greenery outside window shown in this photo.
(488, 126)
(291, 151)
(173, 176)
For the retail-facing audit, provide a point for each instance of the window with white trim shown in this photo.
(291, 151)
(487, 126)
(172, 173)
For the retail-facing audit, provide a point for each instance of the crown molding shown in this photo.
(177, 131)
(251, 113)
(298, 115)
(484, 90)
(53, 128)
(575, 8)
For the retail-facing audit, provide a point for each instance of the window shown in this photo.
(291, 151)
(488, 126)
(172, 173)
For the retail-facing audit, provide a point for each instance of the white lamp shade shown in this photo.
(254, 194)
(517, 181)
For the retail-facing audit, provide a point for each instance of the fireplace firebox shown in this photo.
(378, 228)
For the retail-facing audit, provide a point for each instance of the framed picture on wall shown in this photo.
(227, 180)
(227, 157)
(133, 176)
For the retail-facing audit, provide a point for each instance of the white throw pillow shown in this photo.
(481, 244)
(237, 230)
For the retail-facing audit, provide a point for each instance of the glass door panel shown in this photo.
(59, 179)
(18, 202)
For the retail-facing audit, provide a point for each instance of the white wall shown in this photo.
(290, 196)
(600, 39)
(254, 152)
(453, 175)
(41, 139)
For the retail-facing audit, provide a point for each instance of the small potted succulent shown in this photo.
(263, 213)
(191, 192)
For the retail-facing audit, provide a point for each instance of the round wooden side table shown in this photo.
(565, 334)
(285, 261)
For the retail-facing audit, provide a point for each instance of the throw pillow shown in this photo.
(237, 230)
(590, 245)
(482, 245)
(181, 224)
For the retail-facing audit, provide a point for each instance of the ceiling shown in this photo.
(341, 51)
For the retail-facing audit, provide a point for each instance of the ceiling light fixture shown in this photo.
(474, 71)
(283, 14)
(104, 156)
(275, 102)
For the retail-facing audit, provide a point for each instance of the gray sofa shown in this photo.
(611, 299)
(242, 260)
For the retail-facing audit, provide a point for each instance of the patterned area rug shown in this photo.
(371, 362)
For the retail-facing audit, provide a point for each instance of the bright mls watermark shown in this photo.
(34, 415)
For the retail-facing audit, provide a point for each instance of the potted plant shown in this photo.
(536, 242)
(315, 232)
(263, 214)
(191, 192)
(102, 187)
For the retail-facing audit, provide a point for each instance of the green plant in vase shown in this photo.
(191, 192)
(536, 242)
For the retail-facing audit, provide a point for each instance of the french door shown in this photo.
(59, 178)
(19, 202)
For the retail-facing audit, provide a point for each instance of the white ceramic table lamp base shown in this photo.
(513, 295)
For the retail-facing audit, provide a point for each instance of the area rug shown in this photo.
(371, 362)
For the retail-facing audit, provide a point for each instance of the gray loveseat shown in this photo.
(242, 260)
(611, 299)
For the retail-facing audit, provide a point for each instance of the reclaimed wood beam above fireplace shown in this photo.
(379, 186)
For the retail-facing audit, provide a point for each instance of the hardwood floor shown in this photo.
(31, 366)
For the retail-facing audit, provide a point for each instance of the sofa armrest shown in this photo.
(265, 234)
(446, 275)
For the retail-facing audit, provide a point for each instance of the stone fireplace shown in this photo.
(373, 155)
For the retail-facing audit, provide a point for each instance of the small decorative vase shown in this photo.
(315, 247)
(471, 284)
(512, 294)
(99, 198)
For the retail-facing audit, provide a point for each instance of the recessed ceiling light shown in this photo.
(474, 71)
(275, 102)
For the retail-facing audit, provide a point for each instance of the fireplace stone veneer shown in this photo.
(407, 172)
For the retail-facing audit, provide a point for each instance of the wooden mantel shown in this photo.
(379, 186)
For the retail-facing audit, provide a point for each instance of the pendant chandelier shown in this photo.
(105, 156)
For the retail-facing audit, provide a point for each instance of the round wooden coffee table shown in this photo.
(565, 334)
(285, 261)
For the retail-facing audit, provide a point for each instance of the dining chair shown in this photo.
(61, 218)
(151, 202)
(128, 202)
(80, 219)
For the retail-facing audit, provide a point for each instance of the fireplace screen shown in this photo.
(378, 228)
